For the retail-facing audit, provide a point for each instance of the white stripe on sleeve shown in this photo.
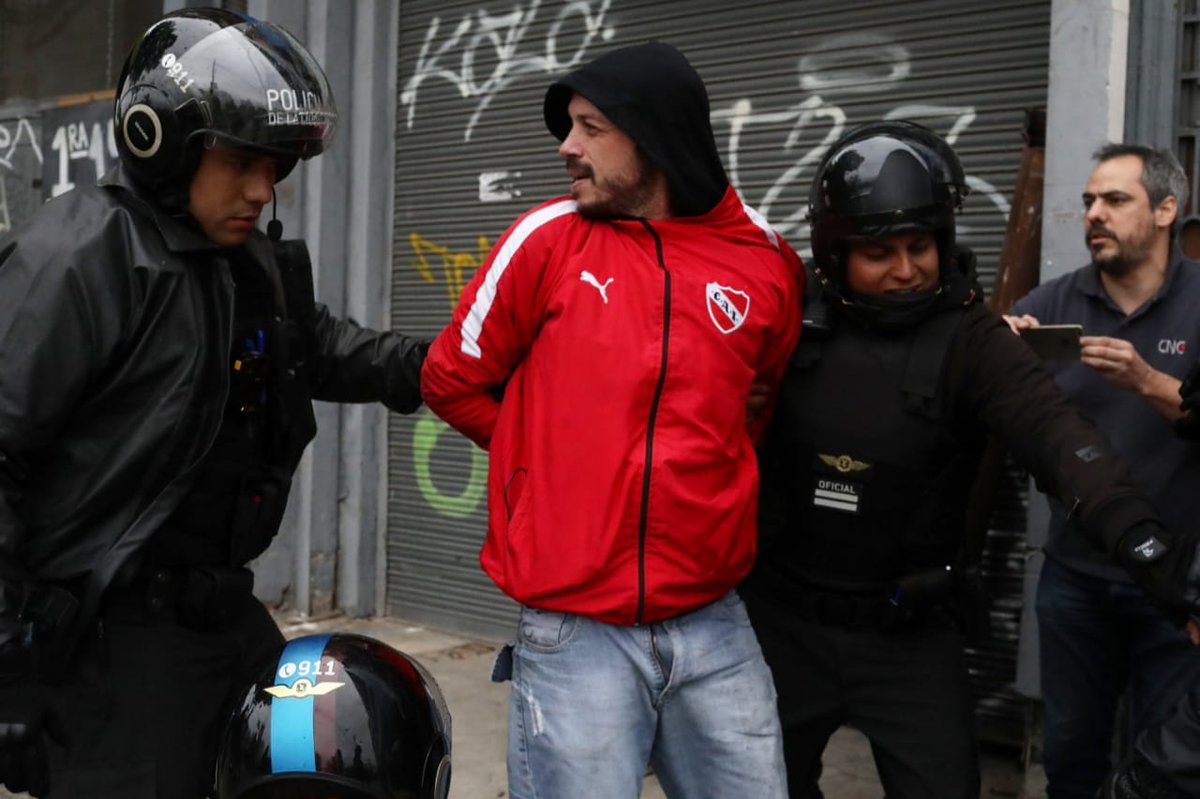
(761, 221)
(472, 325)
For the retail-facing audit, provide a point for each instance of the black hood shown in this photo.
(653, 94)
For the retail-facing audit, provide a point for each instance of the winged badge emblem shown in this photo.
(302, 688)
(843, 463)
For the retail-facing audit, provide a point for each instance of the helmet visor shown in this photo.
(256, 85)
(882, 176)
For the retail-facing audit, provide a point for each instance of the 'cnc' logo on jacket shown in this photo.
(1172, 346)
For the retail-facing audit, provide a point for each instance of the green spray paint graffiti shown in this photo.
(456, 269)
(456, 506)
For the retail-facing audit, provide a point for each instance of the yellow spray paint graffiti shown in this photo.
(436, 261)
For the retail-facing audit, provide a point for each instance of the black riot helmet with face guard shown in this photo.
(201, 76)
(880, 179)
(338, 715)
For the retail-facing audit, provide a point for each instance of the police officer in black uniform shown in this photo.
(158, 361)
(857, 595)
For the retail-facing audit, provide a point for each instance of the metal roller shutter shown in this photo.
(785, 78)
(20, 167)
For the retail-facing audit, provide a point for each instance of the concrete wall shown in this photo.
(1086, 107)
(329, 551)
(1153, 74)
(1088, 59)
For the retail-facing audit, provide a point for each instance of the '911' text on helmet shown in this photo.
(338, 715)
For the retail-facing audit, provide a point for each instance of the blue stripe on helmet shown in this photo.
(292, 718)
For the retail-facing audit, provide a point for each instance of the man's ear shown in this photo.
(1166, 211)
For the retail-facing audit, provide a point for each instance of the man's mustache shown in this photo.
(577, 168)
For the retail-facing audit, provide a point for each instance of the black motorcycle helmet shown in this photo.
(206, 74)
(338, 715)
(879, 179)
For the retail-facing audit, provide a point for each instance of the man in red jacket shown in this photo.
(603, 355)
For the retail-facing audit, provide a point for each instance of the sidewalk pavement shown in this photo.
(479, 708)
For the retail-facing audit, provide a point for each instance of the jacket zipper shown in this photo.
(658, 389)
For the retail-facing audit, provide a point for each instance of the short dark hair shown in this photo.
(1162, 176)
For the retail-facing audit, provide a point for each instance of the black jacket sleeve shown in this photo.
(356, 364)
(1004, 385)
(59, 323)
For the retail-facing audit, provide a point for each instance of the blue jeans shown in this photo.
(1097, 637)
(593, 703)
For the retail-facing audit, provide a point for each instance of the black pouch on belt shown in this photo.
(212, 595)
(51, 614)
(257, 514)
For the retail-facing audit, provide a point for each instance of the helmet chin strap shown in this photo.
(958, 285)
(274, 227)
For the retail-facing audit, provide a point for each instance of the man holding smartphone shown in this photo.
(1136, 302)
(1054, 342)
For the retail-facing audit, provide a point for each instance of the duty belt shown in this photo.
(198, 597)
(873, 611)
(839, 610)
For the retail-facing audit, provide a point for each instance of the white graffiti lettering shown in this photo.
(9, 141)
(5, 219)
(13, 134)
(827, 68)
(788, 141)
(822, 70)
(498, 186)
(76, 141)
(499, 41)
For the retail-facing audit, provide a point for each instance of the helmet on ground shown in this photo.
(879, 179)
(204, 74)
(338, 715)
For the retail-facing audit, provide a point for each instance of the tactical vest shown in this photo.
(240, 488)
(865, 472)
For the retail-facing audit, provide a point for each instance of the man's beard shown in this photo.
(1131, 251)
(625, 194)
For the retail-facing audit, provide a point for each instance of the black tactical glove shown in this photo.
(1137, 779)
(1162, 565)
(25, 720)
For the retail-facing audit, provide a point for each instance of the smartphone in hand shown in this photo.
(1054, 342)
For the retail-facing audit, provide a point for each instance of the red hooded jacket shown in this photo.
(622, 483)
